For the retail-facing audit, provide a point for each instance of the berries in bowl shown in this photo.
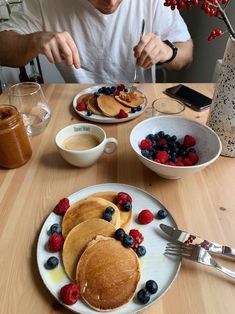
(173, 146)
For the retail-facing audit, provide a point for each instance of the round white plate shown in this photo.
(154, 265)
(103, 118)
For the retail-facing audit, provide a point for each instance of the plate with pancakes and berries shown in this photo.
(109, 103)
(101, 250)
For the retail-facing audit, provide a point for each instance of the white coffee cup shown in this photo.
(83, 143)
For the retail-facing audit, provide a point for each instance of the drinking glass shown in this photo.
(30, 101)
(167, 106)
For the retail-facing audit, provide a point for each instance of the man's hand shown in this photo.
(57, 47)
(152, 50)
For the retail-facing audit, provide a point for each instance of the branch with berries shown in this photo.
(215, 8)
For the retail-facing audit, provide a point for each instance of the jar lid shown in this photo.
(8, 115)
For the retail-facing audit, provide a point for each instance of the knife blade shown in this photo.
(187, 238)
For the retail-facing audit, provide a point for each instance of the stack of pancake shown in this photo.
(110, 106)
(106, 271)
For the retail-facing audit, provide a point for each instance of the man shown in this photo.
(97, 40)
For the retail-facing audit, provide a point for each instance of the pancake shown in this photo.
(78, 238)
(109, 106)
(107, 274)
(92, 207)
(130, 99)
(125, 217)
(93, 106)
(84, 98)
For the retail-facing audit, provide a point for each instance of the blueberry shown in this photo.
(52, 262)
(119, 234)
(100, 90)
(161, 134)
(138, 108)
(145, 153)
(128, 240)
(140, 250)
(107, 216)
(151, 286)
(173, 138)
(133, 110)
(126, 90)
(127, 206)
(143, 296)
(89, 113)
(96, 94)
(162, 213)
(55, 228)
(156, 137)
(192, 150)
(167, 137)
(150, 137)
(110, 210)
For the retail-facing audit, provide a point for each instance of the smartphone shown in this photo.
(189, 97)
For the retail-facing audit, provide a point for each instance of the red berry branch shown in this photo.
(214, 8)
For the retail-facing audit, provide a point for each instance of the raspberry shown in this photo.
(69, 294)
(81, 106)
(122, 198)
(121, 87)
(145, 144)
(170, 163)
(163, 156)
(189, 141)
(193, 157)
(145, 217)
(116, 93)
(55, 242)
(137, 236)
(122, 114)
(187, 162)
(62, 206)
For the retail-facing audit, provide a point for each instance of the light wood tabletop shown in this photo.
(203, 203)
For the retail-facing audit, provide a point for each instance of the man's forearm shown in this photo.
(16, 50)
(184, 56)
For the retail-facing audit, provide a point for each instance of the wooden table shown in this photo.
(203, 203)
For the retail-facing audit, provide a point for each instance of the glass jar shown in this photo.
(15, 149)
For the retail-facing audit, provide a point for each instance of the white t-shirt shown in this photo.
(105, 42)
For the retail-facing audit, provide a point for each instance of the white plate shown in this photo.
(154, 265)
(103, 118)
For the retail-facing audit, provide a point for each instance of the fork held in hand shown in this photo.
(135, 81)
(196, 253)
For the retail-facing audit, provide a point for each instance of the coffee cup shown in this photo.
(82, 144)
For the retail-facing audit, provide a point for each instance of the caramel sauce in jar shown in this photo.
(15, 149)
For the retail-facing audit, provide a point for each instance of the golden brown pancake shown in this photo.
(78, 238)
(92, 207)
(109, 106)
(130, 99)
(125, 217)
(84, 98)
(93, 106)
(107, 274)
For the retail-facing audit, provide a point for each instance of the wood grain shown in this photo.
(202, 203)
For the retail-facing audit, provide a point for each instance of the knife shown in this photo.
(187, 238)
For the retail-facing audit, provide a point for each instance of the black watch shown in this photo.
(174, 50)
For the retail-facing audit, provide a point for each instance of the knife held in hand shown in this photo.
(187, 238)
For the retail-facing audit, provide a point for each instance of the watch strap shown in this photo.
(174, 50)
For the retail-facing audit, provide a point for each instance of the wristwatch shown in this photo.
(174, 50)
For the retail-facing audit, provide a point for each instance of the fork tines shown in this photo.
(178, 249)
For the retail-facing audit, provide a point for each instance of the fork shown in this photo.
(195, 253)
(135, 80)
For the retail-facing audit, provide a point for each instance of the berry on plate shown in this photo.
(128, 240)
(140, 250)
(119, 234)
(52, 262)
(69, 294)
(143, 296)
(62, 206)
(81, 106)
(145, 217)
(55, 228)
(162, 213)
(122, 114)
(137, 236)
(122, 198)
(151, 286)
(55, 242)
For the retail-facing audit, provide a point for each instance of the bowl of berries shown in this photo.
(173, 146)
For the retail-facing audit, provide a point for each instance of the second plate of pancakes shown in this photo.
(86, 96)
(154, 265)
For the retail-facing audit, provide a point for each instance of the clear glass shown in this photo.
(30, 101)
(168, 106)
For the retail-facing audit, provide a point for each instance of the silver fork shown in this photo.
(195, 253)
(135, 81)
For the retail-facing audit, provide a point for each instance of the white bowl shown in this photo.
(208, 145)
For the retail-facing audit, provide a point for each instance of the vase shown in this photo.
(222, 110)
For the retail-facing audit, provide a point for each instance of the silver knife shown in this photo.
(187, 238)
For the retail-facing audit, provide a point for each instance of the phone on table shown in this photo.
(189, 97)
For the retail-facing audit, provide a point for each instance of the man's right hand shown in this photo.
(57, 47)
